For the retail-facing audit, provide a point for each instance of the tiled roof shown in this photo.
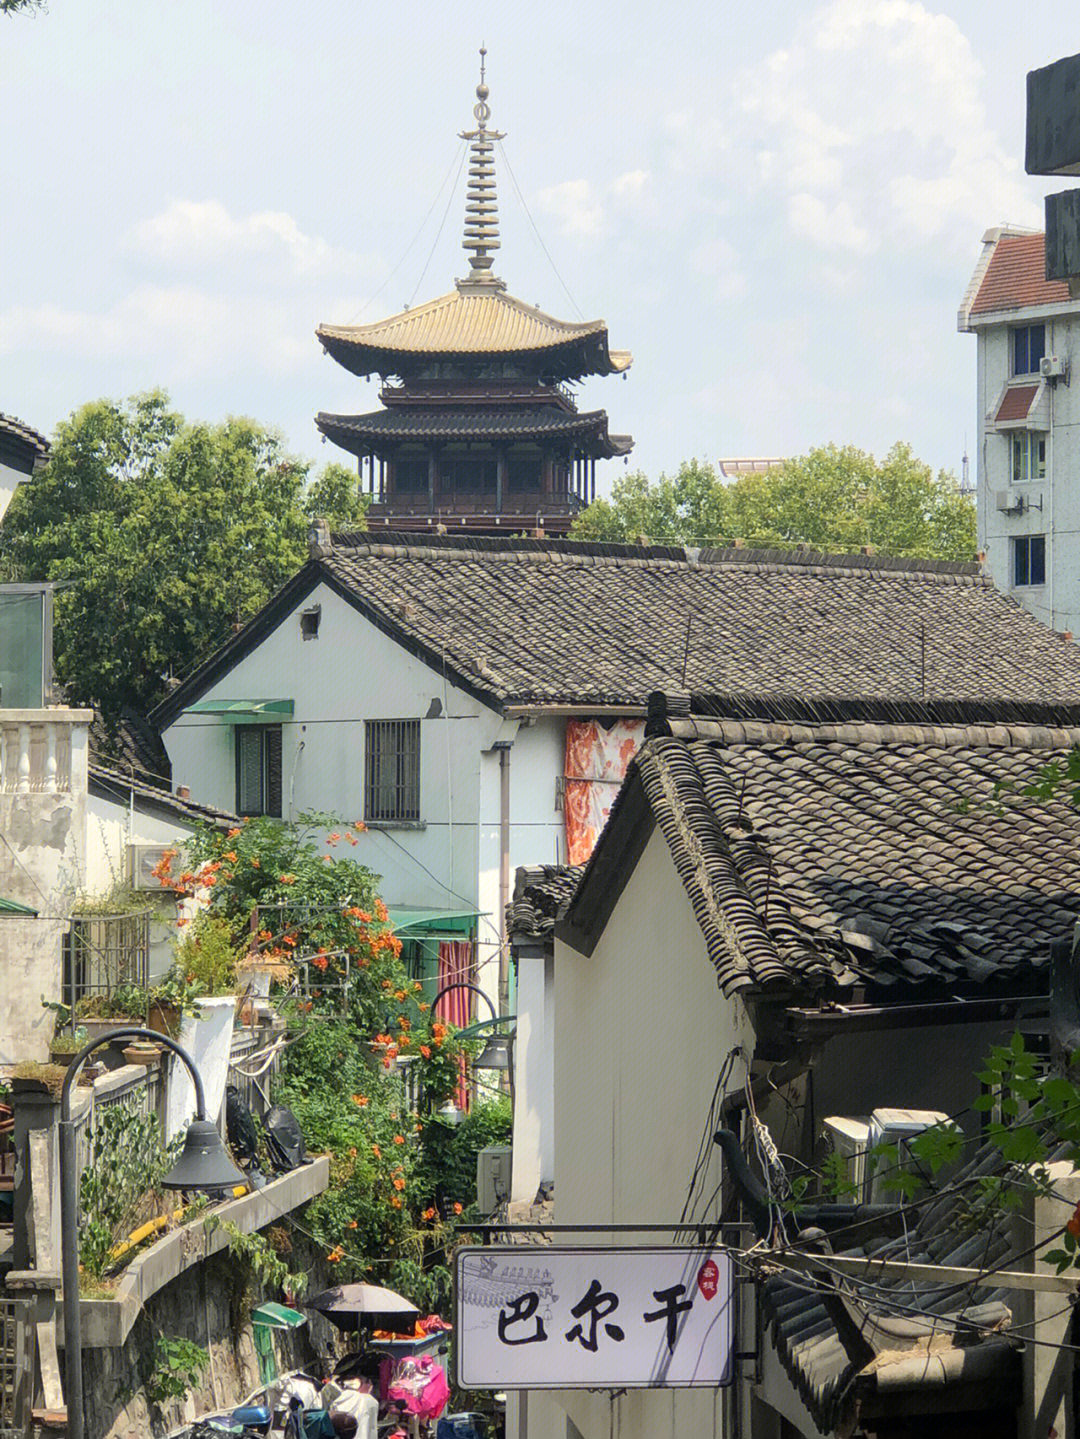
(131, 746)
(1016, 277)
(16, 430)
(1016, 403)
(558, 622)
(890, 1357)
(554, 622)
(468, 322)
(891, 856)
(114, 785)
(445, 423)
(540, 893)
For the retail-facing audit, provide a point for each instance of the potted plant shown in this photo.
(169, 1001)
(100, 1013)
(64, 1046)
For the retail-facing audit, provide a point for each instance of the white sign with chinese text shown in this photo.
(533, 1317)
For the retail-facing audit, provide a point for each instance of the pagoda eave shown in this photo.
(383, 431)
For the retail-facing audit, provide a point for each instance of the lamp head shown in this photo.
(204, 1162)
(495, 1053)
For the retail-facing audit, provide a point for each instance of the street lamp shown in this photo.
(497, 1050)
(203, 1164)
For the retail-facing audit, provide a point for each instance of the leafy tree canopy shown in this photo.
(166, 534)
(836, 499)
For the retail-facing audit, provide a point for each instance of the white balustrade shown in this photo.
(37, 750)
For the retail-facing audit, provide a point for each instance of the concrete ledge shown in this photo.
(106, 1323)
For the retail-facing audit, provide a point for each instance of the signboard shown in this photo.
(534, 1317)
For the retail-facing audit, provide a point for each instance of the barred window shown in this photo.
(392, 770)
(258, 769)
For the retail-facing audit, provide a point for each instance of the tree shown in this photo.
(833, 498)
(164, 535)
(335, 496)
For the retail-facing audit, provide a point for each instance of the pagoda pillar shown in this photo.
(501, 478)
(432, 477)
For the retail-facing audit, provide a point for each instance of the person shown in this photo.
(344, 1425)
(353, 1399)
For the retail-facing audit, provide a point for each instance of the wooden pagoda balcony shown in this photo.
(553, 513)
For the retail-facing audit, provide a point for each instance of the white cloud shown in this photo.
(201, 234)
(193, 332)
(871, 120)
(575, 207)
(717, 261)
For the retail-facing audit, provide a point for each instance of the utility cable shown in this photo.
(438, 233)
(536, 232)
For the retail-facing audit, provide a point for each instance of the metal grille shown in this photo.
(10, 1371)
(103, 951)
(392, 770)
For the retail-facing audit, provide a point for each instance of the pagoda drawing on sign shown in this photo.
(479, 430)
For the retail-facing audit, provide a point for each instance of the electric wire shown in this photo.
(459, 149)
(438, 233)
(536, 232)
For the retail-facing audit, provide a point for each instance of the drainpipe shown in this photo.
(504, 747)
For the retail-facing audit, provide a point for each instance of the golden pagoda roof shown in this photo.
(471, 320)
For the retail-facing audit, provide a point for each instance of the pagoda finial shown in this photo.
(481, 207)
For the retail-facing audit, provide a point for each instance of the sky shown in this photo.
(776, 207)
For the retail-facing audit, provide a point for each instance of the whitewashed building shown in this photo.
(22, 451)
(794, 917)
(1028, 455)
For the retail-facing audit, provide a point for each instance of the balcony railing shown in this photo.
(43, 751)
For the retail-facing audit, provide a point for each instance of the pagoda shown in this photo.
(479, 431)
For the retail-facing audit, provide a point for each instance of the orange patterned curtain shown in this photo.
(596, 762)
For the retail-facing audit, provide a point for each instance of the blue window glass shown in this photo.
(1029, 347)
(1029, 560)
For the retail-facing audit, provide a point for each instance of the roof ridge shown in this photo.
(767, 561)
(863, 732)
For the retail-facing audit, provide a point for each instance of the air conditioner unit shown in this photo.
(493, 1173)
(143, 859)
(1009, 502)
(849, 1138)
(1054, 367)
(895, 1126)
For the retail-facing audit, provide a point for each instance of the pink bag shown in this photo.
(420, 1384)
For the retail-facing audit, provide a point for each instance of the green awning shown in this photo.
(9, 906)
(243, 711)
(277, 1316)
(423, 923)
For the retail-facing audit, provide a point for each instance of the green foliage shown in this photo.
(257, 1254)
(335, 496)
(169, 533)
(121, 1186)
(206, 956)
(836, 499)
(172, 1367)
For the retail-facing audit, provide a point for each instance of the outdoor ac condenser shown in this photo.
(143, 858)
(492, 1177)
(896, 1126)
(849, 1138)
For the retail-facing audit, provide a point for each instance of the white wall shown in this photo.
(642, 1031)
(40, 866)
(9, 478)
(354, 672)
(1057, 602)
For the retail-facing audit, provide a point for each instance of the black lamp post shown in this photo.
(204, 1163)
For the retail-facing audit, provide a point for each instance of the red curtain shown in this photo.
(456, 966)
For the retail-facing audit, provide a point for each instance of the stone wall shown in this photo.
(206, 1305)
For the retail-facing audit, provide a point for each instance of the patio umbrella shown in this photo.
(352, 1307)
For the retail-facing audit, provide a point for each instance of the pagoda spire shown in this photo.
(481, 207)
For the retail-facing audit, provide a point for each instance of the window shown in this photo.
(411, 475)
(1029, 346)
(1029, 560)
(309, 622)
(392, 770)
(258, 769)
(1028, 455)
(469, 473)
(523, 470)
